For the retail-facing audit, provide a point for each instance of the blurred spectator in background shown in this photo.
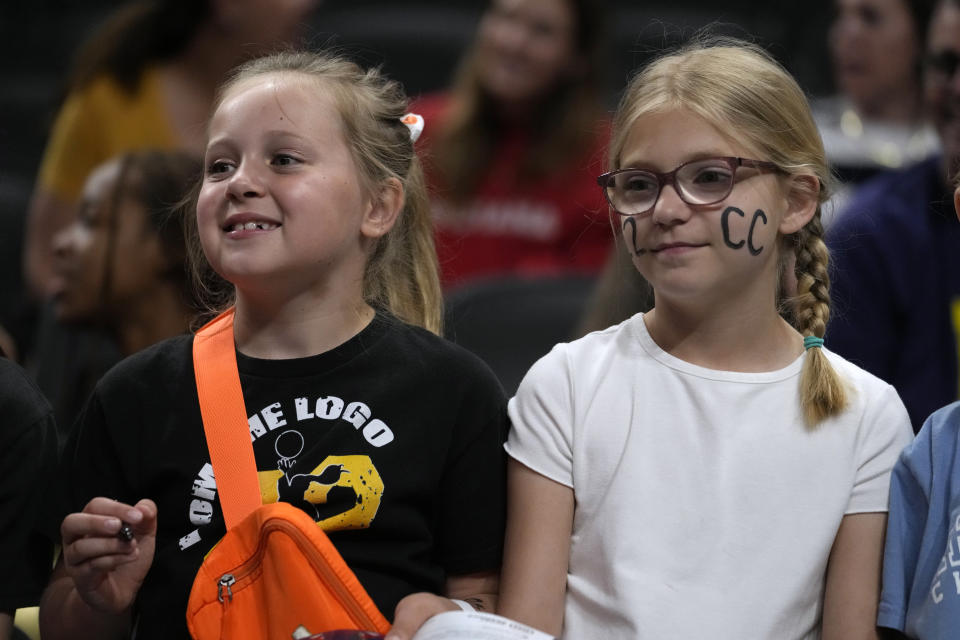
(896, 268)
(121, 264)
(513, 150)
(876, 120)
(145, 79)
(119, 268)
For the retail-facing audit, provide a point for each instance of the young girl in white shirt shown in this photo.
(706, 469)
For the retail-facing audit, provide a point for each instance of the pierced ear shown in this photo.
(956, 201)
(384, 209)
(802, 200)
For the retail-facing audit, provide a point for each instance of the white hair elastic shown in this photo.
(414, 122)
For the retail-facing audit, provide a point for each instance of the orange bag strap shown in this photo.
(225, 419)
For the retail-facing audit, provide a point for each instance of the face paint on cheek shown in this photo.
(637, 251)
(757, 215)
(725, 228)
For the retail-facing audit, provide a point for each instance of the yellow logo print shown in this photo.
(342, 492)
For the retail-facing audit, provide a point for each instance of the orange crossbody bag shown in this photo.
(275, 574)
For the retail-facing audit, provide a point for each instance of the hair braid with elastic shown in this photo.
(822, 393)
(740, 88)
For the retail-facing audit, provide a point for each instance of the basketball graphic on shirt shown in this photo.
(345, 494)
(288, 444)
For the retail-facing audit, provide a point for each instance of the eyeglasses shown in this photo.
(633, 192)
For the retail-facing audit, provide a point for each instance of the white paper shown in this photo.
(465, 625)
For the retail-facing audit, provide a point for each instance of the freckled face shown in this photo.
(705, 252)
(281, 200)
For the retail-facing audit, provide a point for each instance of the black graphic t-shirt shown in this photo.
(391, 441)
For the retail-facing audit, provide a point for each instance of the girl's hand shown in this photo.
(107, 569)
(414, 610)
(478, 589)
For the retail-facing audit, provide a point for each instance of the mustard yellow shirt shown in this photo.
(99, 122)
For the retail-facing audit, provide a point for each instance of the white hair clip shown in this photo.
(414, 122)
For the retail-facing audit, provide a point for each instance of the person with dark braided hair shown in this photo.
(706, 468)
(120, 265)
(119, 281)
(144, 79)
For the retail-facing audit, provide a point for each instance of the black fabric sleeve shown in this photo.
(92, 464)
(28, 458)
(473, 491)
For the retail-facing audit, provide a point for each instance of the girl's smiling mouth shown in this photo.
(248, 222)
(675, 247)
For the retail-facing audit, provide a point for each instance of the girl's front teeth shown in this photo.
(250, 226)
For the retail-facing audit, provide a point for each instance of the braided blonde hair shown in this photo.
(737, 86)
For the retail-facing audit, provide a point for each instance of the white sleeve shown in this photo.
(541, 432)
(884, 432)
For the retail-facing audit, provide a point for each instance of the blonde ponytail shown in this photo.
(403, 275)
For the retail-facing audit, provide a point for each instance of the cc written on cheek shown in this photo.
(725, 227)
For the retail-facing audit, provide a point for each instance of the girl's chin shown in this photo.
(683, 288)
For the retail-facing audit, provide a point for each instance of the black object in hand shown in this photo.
(126, 532)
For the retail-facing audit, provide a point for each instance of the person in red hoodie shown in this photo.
(512, 149)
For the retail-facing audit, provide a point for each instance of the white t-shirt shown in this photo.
(704, 507)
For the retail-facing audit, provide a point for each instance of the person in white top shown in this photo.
(706, 469)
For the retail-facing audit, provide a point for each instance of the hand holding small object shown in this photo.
(108, 549)
(125, 532)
